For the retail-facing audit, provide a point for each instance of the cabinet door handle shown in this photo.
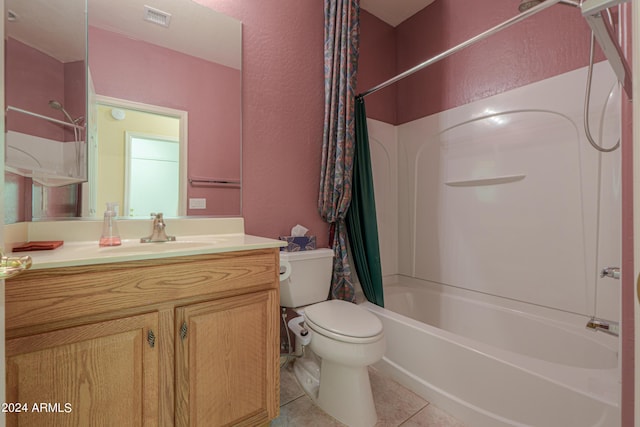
(151, 338)
(183, 331)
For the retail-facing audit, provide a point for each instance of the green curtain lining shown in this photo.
(362, 227)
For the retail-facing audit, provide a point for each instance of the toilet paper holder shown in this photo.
(285, 270)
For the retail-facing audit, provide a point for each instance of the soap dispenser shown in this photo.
(110, 235)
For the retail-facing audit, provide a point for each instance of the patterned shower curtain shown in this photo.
(341, 39)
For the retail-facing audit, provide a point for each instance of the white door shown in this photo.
(152, 175)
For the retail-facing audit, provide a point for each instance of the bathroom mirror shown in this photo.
(45, 90)
(166, 55)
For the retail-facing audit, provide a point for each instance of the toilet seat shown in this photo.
(343, 321)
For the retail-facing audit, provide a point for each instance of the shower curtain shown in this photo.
(362, 224)
(341, 38)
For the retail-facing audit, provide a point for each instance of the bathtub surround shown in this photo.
(504, 197)
(342, 27)
(551, 43)
(481, 368)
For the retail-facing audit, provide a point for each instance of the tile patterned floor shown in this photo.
(396, 406)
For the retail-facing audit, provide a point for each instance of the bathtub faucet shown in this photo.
(613, 272)
(606, 326)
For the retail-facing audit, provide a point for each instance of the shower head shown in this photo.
(56, 105)
(528, 4)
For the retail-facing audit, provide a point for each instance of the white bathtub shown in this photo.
(494, 366)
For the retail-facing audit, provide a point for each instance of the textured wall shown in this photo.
(377, 63)
(552, 42)
(282, 102)
(32, 80)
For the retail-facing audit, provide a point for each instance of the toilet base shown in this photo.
(345, 394)
(306, 369)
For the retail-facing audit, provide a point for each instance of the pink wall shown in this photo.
(32, 79)
(282, 102)
(550, 43)
(210, 93)
(376, 64)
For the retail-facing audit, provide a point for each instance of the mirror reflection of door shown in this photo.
(141, 159)
(152, 175)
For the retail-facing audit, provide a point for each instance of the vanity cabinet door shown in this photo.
(227, 361)
(101, 374)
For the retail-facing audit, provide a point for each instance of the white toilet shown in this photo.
(346, 337)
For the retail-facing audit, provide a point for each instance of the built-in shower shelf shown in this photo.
(486, 181)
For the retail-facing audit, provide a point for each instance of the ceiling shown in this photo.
(55, 27)
(393, 12)
(54, 21)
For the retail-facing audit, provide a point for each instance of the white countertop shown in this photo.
(79, 253)
(193, 237)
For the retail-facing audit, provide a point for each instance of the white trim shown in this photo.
(2, 208)
(182, 116)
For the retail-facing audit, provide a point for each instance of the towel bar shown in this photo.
(214, 181)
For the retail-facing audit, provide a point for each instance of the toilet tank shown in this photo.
(310, 278)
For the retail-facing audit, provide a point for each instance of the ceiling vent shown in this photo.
(156, 16)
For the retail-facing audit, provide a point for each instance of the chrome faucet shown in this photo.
(613, 272)
(606, 326)
(158, 232)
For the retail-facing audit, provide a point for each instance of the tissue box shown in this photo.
(304, 243)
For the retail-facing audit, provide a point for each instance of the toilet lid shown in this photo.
(344, 318)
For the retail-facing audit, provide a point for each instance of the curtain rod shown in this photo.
(520, 17)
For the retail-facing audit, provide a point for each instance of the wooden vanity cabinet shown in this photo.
(222, 374)
(98, 374)
(184, 341)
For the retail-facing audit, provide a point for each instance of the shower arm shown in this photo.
(603, 31)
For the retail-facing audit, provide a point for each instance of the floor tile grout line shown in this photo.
(414, 414)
